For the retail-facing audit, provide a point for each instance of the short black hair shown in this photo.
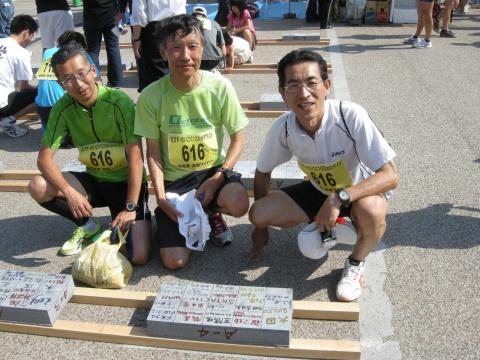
(21, 23)
(72, 36)
(185, 24)
(301, 56)
(241, 4)
(227, 37)
(67, 52)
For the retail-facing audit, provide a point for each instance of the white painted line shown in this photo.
(375, 307)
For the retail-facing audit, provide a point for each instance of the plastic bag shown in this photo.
(101, 264)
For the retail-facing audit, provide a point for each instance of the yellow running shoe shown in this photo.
(79, 239)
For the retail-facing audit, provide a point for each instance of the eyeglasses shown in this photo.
(310, 85)
(69, 81)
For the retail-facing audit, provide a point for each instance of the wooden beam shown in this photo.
(238, 70)
(18, 174)
(270, 42)
(22, 186)
(132, 335)
(301, 309)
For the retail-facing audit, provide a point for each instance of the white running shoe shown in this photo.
(221, 234)
(410, 40)
(422, 44)
(350, 285)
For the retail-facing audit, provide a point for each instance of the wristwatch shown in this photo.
(343, 196)
(228, 173)
(131, 206)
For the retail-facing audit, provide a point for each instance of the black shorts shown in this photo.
(167, 234)
(112, 195)
(310, 199)
(18, 100)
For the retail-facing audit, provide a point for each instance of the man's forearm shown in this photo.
(383, 180)
(52, 173)
(237, 142)
(261, 184)
(135, 173)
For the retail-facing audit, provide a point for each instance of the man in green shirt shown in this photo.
(100, 122)
(182, 117)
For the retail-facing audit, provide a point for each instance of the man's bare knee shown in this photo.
(257, 216)
(370, 212)
(37, 187)
(174, 258)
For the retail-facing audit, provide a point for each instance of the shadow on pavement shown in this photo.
(281, 265)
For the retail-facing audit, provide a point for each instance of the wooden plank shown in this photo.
(22, 186)
(131, 335)
(271, 42)
(18, 174)
(271, 114)
(301, 309)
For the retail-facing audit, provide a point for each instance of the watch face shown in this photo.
(130, 206)
(344, 195)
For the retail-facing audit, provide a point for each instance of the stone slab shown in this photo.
(32, 297)
(222, 313)
(283, 175)
(301, 37)
(272, 102)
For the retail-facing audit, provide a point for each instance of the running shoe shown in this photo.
(350, 285)
(80, 238)
(221, 233)
(447, 34)
(422, 44)
(410, 40)
(13, 130)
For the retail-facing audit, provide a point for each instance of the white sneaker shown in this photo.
(13, 130)
(350, 285)
(422, 44)
(410, 40)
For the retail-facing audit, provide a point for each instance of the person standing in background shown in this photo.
(425, 8)
(6, 14)
(99, 18)
(54, 18)
(146, 18)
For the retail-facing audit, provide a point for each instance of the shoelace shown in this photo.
(220, 225)
(352, 273)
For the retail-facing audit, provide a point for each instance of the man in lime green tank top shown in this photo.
(182, 117)
(100, 122)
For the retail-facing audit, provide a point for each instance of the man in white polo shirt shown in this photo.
(348, 162)
(16, 71)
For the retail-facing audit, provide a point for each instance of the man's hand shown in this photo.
(327, 215)
(137, 48)
(169, 209)
(78, 204)
(259, 240)
(124, 220)
(207, 190)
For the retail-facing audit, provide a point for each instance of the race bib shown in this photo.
(328, 177)
(45, 71)
(103, 156)
(193, 152)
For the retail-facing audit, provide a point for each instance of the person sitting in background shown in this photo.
(214, 47)
(237, 51)
(16, 69)
(240, 22)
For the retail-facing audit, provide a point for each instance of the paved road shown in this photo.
(421, 298)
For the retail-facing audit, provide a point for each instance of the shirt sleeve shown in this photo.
(56, 129)
(373, 150)
(125, 118)
(23, 68)
(233, 116)
(146, 123)
(275, 150)
(139, 13)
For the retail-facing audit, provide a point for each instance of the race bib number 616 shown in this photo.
(328, 177)
(193, 152)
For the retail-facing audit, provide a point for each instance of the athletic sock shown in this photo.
(353, 261)
(60, 206)
(90, 225)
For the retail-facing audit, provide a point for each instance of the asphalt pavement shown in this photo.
(421, 297)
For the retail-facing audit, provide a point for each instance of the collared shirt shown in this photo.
(145, 11)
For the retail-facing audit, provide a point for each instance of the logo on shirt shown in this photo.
(338, 153)
(179, 121)
(3, 51)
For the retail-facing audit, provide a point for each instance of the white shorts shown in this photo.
(53, 24)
